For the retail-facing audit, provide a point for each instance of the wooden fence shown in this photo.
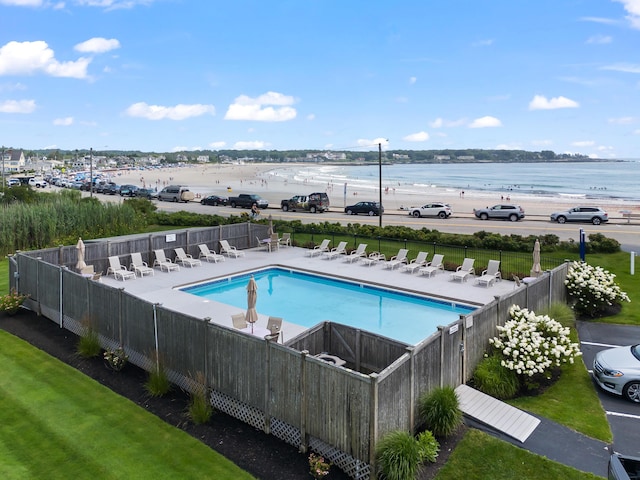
(283, 390)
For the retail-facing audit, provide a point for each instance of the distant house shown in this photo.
(467, 158)
(13, 161)
(441, 158)
(203, 159)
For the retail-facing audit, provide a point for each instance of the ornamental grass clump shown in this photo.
(532, 345)
(440, 411)
(593, 289)
(492, 378)
(398, 456)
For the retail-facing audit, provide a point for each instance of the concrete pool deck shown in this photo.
(162, 286)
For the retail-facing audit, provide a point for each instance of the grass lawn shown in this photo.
(58, 423)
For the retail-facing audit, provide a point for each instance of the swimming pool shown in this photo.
(306, 300)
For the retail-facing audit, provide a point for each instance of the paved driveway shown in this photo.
(623, 416)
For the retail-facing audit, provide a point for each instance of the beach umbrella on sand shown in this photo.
(80, 248)
(252, 297)
(271, 232)
(536, 270)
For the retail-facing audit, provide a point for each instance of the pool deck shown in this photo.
(162, 286)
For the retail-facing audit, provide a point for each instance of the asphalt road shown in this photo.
(623, 415)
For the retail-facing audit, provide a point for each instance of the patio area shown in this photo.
(162, 286)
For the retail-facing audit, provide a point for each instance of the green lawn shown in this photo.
(58, 423)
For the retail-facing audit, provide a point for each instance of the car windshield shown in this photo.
(635, 351)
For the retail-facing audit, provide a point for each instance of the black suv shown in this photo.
(315, 202)
(370, 208)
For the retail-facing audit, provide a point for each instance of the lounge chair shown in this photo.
(341, 249)
(358, 253)
(274, 242)
(187, 259)
(491, 274)
(396, 260)
(139, 266)
(418, 262)
(285, 240)
(163, 262)
(239, 321)
(88, 270)
(464, 270)
(209, 255)
(264, 243)
(433, 266)
(228, 250)
(320, 249)
(119, 271)
(274, 325)
(374, 257)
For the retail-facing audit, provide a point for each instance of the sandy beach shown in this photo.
(265, 180)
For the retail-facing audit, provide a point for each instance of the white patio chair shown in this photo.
(187, 259)
(285, 240)
(229, 250)
(139, 266)
(341, 249)
(418, 262)
(373, 258)
(320, 249)
(163, 262)
(119, 271)
(208, 255)
(433, 266)
(491, 274)
(396, 260)
(463, 271)
(358, 253)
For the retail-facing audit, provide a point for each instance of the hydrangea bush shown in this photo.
(592, 289)
(531, 345)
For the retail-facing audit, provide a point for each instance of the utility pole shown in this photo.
(380, 183)
(3, 182)
(91, 172)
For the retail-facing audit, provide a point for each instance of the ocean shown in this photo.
(588, 180)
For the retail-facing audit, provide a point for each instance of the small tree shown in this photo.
(592, 289)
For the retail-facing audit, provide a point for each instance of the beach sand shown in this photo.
(263, 179)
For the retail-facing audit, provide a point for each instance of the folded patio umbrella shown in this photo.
(80, 248)
(252, 297)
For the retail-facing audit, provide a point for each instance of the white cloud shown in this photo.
(623, 67)
(217, 144)
(178, 112)
(509, 146)
(97, 45)
(256, 109)
(604, 21)
(28, 58)
(255, 145)
(311, 116)
(542, 143)
(440, 122)
(417, 137)
(485, 122)
(64, 122)
(483, 43)
(599, 39)
(181, 148)
(633, 9)
(12, 87)
(113, 4)
(605, 148)
(621, 120)
(21, 3)
(636, 132)
(541, 102)
(583, 143)
(17, 106)
(413, 80)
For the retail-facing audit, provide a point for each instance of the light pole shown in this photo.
(3, 184)
(380, 183)
(91, 172)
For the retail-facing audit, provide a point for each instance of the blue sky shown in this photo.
(173, 75)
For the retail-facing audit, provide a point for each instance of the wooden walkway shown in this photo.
(496, 414)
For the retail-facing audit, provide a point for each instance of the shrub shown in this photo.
(158, 383)
(533, 344)
(492, 378)
(398, 456)
(88, 343)
(318, 466)
(440, 411)
(199, 410)
(429, 446)
(592, 289)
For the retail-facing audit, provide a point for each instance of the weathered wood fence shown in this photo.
(281, 389)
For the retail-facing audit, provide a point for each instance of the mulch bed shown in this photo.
(264, 456)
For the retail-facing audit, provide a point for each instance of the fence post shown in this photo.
(412, 388)
(304, 442)
(267, 388)
(441, 331)
(373, 422)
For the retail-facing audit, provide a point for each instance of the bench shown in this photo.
(629, 215)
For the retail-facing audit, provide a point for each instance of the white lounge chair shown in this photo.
(491, 274)
(208, 255)
(374, 257)
(275, 242)
(139, 266)
(239, 321)
(463, 271)
(228, 250)
(119, 271)
(358, 253)
(320, 249)
(433, 266)
(285, 239)
(163, 262)
(341, 249)
(418, 262)
(274, 324)
(396, 260)
(187, 259)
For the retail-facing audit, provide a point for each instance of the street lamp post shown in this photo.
(380, 183)
(3, 183)
(91, 172)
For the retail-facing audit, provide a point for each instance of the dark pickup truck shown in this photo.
(623, 468)
(246, 200)
(316, 202)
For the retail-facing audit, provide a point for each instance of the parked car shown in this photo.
(314, 202)
(593, 215)
(175, 193)
(112, 189)
(437, 209)
(369, 208)
(623, 467)
(214, 200)
(128, 190)
(501, 212)
(617, 370)
(38, 182)
(148, 193)
(13, 182)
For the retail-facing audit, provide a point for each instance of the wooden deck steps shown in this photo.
(496, 414)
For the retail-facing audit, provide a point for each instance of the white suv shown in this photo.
(37, 182)
(593, 215)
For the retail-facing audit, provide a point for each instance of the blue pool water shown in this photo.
(307, 300)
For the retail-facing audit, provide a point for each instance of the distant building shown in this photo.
(467, 158)
(441, 158)
(203, 159)
(13, 160)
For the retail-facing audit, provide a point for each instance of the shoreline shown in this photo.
(276, 182)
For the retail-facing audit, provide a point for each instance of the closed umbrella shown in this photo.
(80, 248)
(252, 297)
(536, 270)
(271, 232)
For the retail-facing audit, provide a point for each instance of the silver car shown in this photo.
(593, 215)
(617, 370)
(437, 209)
